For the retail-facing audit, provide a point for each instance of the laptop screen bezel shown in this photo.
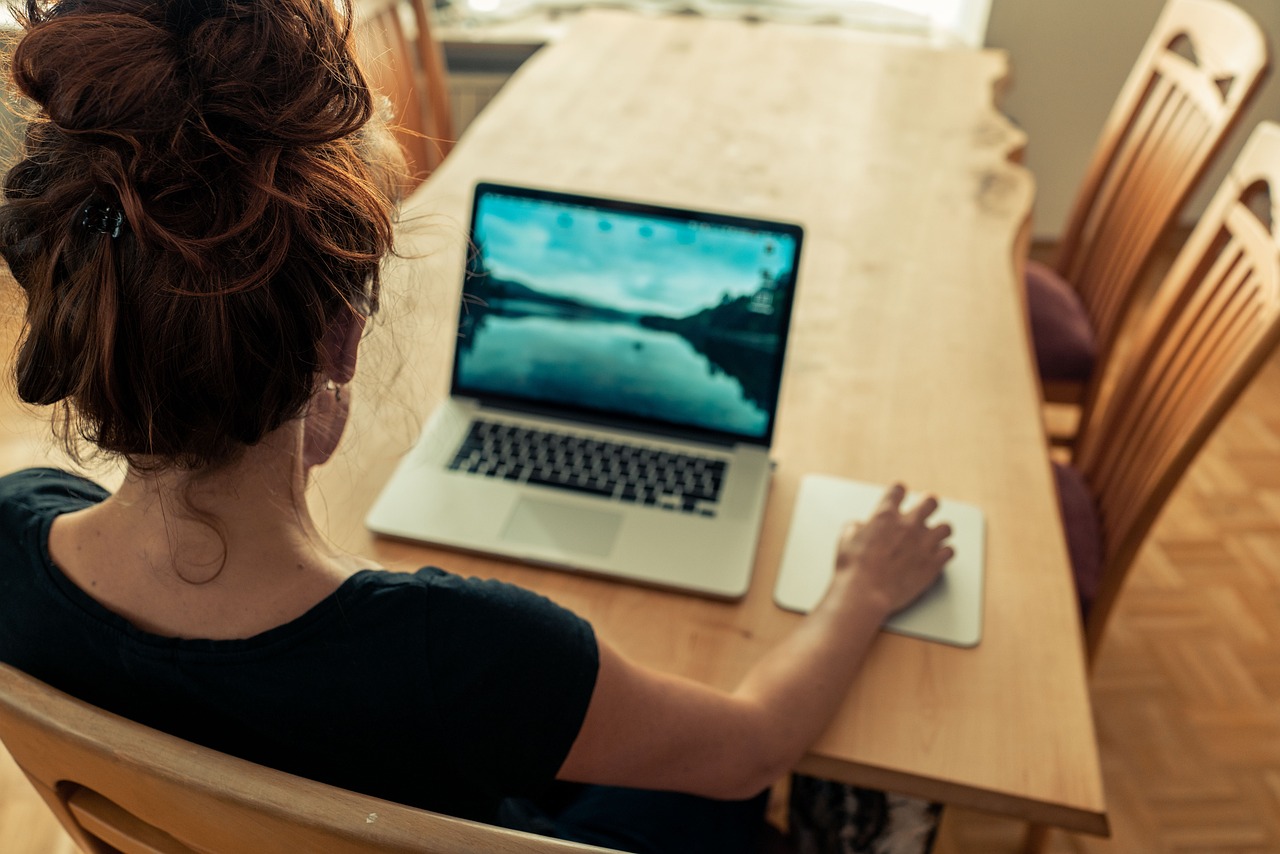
(587, 415)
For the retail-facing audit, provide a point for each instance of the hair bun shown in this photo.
(124, 74)
(245, 214)
(295, 84)
(244, 73)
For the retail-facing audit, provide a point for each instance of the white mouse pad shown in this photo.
(949, 612)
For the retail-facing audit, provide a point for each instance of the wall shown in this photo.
(1069, 59)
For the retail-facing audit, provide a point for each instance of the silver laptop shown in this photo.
(614, 390)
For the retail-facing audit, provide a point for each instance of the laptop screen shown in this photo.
(634, 313)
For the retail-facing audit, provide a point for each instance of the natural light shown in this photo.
(962, 20)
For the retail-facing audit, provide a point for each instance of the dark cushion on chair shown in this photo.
(1060, 329)
(1084, 534)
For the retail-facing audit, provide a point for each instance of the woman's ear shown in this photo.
(339, 345)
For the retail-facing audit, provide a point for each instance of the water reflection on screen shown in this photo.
(633, 314)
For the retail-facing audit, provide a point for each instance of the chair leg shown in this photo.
(1034, 841)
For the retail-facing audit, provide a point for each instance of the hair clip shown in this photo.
(102, 218)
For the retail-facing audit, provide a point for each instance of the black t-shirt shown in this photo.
(426, 689)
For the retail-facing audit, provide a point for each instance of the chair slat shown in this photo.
(1151, 382)
(1101, 211)
(1163, 150)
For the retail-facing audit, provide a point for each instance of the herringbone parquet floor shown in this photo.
(1186, 687)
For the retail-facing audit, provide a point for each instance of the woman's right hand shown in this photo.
(650, 730)
(895, 555)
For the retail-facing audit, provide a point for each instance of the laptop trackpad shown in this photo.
(562, 528)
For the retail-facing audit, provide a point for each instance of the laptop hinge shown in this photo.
(657, 431)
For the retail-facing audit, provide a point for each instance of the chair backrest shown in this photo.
(1203, 61)
(1213, 323)
(119, 786)
(404, 62)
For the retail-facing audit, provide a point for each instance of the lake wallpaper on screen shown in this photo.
(625, 313)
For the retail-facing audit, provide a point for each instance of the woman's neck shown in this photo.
(228, 552)
(197, 520)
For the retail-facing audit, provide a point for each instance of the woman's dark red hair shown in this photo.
(228, 133)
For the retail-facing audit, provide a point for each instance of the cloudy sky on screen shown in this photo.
(630, 262)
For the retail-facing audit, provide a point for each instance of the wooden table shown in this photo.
(909, 361)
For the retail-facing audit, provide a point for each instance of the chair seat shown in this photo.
(1084, 533)
(1060, 329)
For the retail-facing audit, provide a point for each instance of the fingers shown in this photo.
(939, 535)
(890, 508)
(923, 510)
(911, 523)
(891, 501)
(934, 539)
(895, 554)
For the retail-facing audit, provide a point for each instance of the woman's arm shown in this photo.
(651, 730)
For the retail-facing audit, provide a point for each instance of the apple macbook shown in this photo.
(614, 391)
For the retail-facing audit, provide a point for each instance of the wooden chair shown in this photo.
(119, 786)
(1202, 63)
(407, 65)
(1214, 322)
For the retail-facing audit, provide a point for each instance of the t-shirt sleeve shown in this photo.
(511, 674)
(47, 490)
(29, 497)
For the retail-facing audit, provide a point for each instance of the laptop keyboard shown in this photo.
(635, 474)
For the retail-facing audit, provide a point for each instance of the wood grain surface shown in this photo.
(909, 361)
